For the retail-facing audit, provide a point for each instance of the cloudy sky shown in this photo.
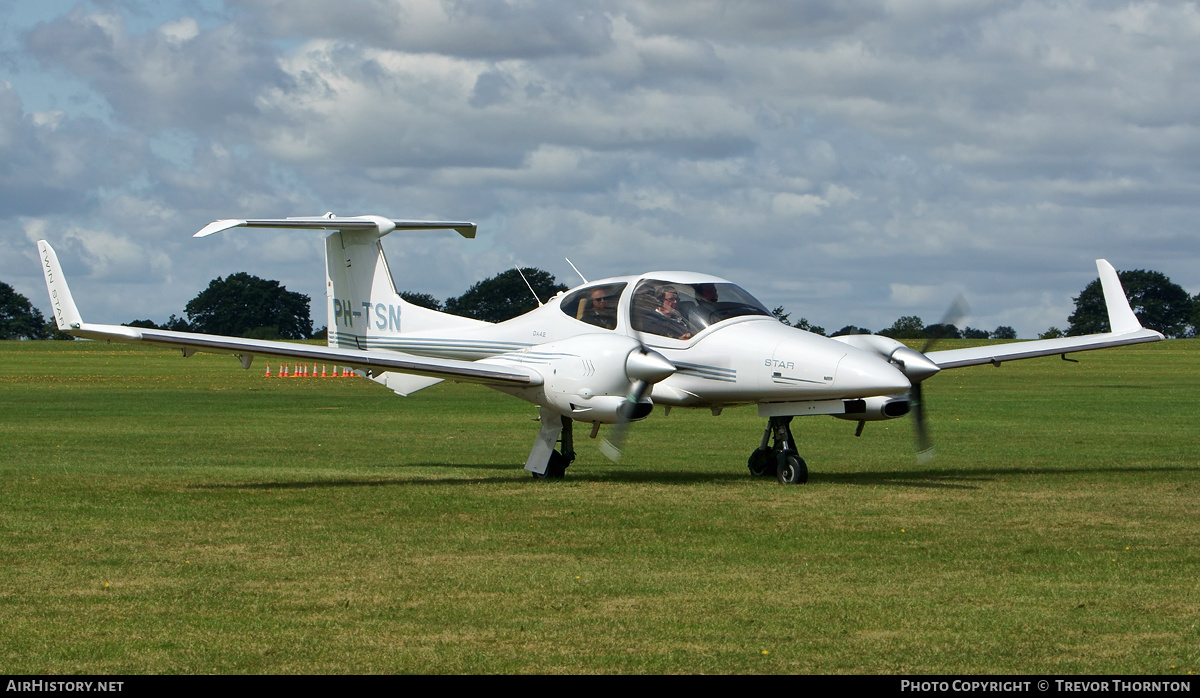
(854, 162)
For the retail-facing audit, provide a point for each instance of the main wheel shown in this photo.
(556, 468)
(761, 461)
(793, 470)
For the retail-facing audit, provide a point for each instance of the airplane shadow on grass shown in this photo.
(928, 478)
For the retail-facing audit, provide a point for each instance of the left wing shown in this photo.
(997, 353)
(1126, 329)
(67, 316)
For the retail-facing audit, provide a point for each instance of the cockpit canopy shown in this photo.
(662, 307)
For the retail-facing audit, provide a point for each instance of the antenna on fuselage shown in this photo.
(576, 270)
(535, 296)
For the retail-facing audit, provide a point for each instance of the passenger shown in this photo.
(706, 292)
(665, 319)
(698, 314)
(599, 312)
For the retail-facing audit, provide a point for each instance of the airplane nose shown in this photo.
(860, 374)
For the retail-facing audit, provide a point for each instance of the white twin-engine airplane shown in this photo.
(606, 352)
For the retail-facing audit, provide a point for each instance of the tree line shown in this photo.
(243, 305)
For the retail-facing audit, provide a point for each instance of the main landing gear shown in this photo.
(781, 458)
(546, 462)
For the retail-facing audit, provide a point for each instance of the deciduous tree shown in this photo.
(424, 300)
(18, 318)
(940, 331)
(906, 327)
(242, 305)
(504, 296)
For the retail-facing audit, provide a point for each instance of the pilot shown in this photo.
(599, 312)
(665, 319)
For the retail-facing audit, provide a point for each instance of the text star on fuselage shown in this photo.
(606, 352)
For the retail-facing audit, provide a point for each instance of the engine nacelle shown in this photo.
(606, 409)
(876, 409)
(913, 364)
(589, 377)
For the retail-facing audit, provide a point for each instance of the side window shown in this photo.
(596, 305)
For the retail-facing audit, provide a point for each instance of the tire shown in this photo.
(555, 469)
(761, 462)
(793, 471)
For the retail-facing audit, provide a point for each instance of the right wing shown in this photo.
(67, 316)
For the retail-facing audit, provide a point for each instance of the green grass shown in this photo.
(168, 515)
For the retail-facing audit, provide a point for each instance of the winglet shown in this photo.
(65, 313)
(1120, 316)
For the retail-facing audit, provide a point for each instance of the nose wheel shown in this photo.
(556, 468)
(792, 471)
(780, 458)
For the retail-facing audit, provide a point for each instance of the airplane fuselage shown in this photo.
(745, 359)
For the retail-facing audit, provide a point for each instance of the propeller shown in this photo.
(644, 367)
(918, 367)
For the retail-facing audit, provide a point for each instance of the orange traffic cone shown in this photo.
(268, 371)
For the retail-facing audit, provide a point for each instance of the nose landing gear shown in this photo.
(781, 458)
(545, 462)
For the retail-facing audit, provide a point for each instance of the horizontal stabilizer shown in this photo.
(377, 224)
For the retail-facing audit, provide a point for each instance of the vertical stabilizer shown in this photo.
(65, 313)
(1120, 316)
(365, 309)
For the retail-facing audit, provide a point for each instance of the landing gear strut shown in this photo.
(545, 461)
(781, 458)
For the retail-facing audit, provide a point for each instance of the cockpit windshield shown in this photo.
(681, 311)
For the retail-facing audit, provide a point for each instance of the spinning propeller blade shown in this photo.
(644, 367)
(954, 314)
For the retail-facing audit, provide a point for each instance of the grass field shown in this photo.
(165, 515)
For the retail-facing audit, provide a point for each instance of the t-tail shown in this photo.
(363, 303)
